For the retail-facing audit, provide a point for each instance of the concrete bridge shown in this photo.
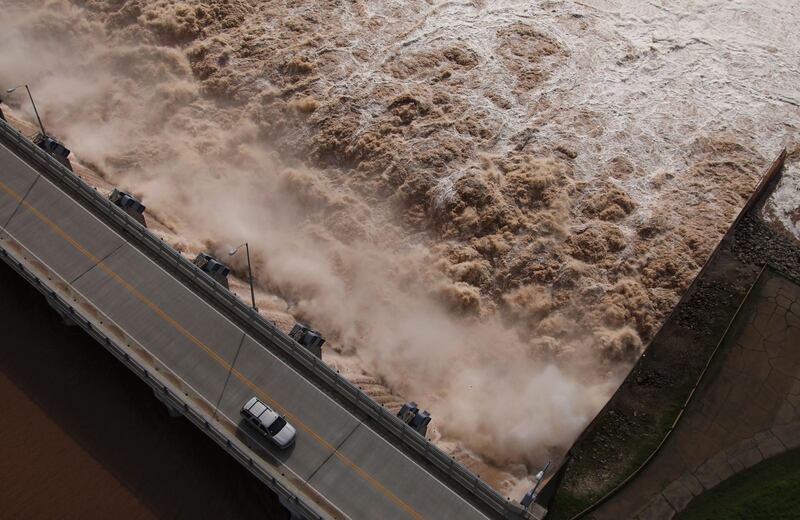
(204, 353)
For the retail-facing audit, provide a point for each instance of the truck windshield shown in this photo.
(276, 426)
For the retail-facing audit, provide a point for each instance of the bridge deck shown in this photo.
(118, 288)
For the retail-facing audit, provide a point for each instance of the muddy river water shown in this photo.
(487, 207)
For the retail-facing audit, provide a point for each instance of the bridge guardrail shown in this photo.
(222, 296)
(165, 392)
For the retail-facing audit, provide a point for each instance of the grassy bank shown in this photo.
(768, 490)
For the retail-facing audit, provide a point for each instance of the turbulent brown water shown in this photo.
(487, 207)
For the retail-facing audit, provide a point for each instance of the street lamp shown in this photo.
(530, 496)
(10, 90)
(249, 270)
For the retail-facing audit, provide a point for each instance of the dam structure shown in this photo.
(205, 353)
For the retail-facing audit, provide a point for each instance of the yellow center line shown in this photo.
(211, 353)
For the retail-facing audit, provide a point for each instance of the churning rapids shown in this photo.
(486, 206)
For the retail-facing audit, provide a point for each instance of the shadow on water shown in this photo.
(81, 436)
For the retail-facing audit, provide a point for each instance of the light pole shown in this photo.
(530, 496)
(249, 270)
(10, 90)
